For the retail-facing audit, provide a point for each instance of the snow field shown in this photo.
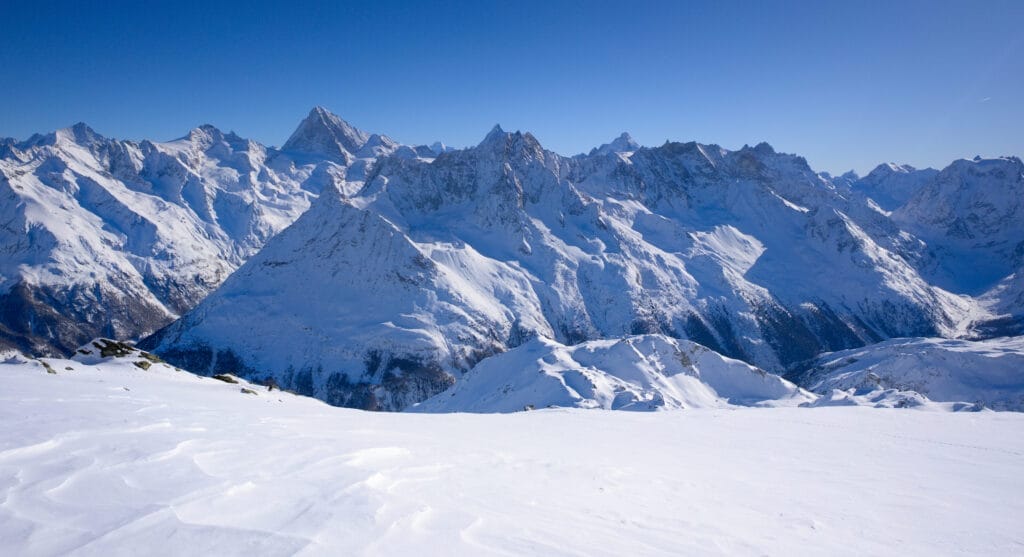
(111, 459)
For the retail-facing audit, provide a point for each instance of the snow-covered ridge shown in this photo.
(325, 134)
(649, 372)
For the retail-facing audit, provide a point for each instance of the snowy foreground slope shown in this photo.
(112, 459)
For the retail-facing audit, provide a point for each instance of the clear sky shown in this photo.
(845, 84)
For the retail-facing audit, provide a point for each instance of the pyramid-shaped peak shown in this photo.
(496, 135)
(324, 133)
(624, 142)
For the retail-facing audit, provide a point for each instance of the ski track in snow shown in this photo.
(113, 460)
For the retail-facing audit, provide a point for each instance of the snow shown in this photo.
(989, 372)
(647, 372)
(971, 217)
(110, 459)
(891, 185)
(445, 262)
(624, 144)
(415, 263)
(97, 225)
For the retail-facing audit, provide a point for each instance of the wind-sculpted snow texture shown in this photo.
(101, 236)
(383, 297)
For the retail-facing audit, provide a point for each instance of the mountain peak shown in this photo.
(889, 169)
(495, 136)
(80, 134)
(437, 147)
(622, 144)
(324, 133)
(205, 132)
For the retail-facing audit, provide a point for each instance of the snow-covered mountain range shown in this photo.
(111, 237)
(385, 292)
(374, 274)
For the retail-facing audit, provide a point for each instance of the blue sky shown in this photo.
(847, 85)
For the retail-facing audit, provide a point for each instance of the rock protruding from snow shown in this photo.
(104, 350)
(647, 372)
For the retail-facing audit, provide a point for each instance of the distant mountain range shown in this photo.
(374, 274)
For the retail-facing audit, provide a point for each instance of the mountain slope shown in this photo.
(325, 134)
